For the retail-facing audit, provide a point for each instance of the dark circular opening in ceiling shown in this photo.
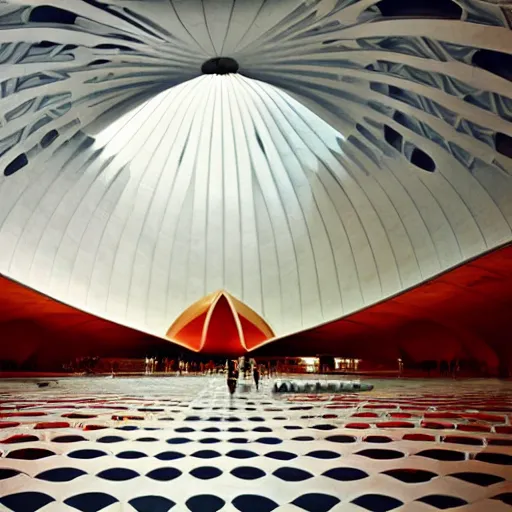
(220, 66)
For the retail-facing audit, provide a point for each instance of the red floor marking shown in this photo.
(418, 437)
(357, 425)
(365, 415)
(503, 429)
(436, 425)
(24, 414)
(474, 428)
(492, 418)
(395, 424)
(17, 438)
(8, 424)
(52, 424)
(441, 415)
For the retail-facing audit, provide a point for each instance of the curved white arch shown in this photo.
(352, 157)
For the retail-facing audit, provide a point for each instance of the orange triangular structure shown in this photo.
(220, 324)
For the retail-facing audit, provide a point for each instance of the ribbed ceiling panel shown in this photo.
(362, 148)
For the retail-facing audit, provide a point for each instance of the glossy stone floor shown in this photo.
(154, 444)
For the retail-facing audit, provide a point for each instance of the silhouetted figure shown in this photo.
(232, 375)
(256, 375)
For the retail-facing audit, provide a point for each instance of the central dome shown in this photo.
(220, 66)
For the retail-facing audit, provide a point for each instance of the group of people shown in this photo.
(248, 367)
(180, 366)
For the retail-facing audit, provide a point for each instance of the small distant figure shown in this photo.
(400, 367)
(256, 375)
(232, 376)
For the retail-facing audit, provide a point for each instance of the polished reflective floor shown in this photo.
(155, 444)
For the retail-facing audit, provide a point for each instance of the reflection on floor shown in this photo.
(156, 444)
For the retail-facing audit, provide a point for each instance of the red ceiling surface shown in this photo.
(42, 333)
(463, 313)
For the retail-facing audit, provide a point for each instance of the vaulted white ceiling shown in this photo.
(362, 148)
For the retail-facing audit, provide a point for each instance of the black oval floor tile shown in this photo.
(131, 455)
(169, 456)
(19, 439)
(262, 429)
(86, 454)
(292, 427)
(471, 441)
(377, 502)
(482, 479)
(324, 427)
(505, 497)
(292, 474)
(110, 439)
(236, 429)
(26, 501)
(30, 454)
(380, 454)
(280, 455)
(146, 439)
(316, 502)
(303, 438)
(323, 454)
(205, 454)
(446, 455)
(6, 473)
(60, 474)
(269, 440)
(345, 474)
(152, 504)
(193, 418)
(377, 439)
(164, 474)
(209, 440)
(118, 474)
(68, 439)
(211, 429)
(341, 439)
(494, 458)
(238, 440)
(411, 476)
(248, 473)
(233, 418)
(241, 454)
(205, 503)
(206, 472)
(179, 440)
(90, 501)
(254, 503)
(128, 428)
(442, 501)
(499, 442)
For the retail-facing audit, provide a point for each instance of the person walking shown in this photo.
(232, 376)
(256, 375)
